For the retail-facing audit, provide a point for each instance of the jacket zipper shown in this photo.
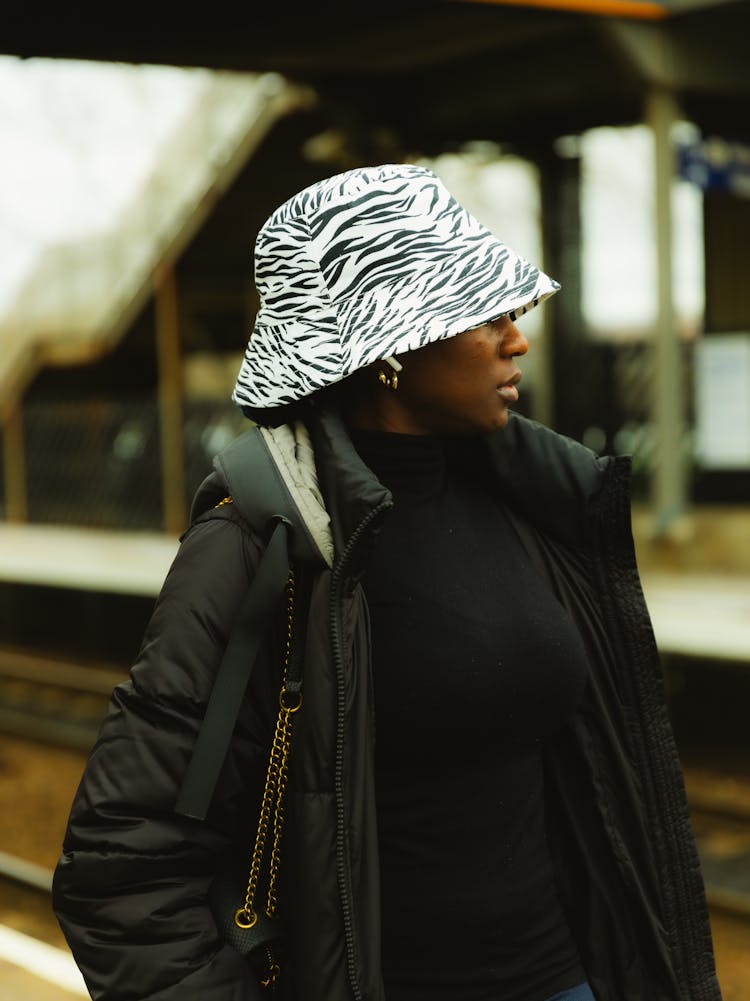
(342, 871)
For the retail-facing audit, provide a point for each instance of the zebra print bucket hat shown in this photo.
(366, 265)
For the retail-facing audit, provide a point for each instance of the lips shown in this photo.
(509, 392)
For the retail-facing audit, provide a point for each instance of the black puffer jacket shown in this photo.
(130, 887)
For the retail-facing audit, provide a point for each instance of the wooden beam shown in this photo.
(170, 401)
(641, 9)
(668, 418)
(14, 463)
(701, 56)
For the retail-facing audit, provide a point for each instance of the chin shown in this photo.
(477, 423)
(498, 422)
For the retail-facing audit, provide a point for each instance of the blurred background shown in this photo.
(608, 140)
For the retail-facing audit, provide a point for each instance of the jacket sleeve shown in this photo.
(129, 890)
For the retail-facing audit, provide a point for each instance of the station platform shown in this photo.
(694, 613)
(88, 559)
(31, 970)
(700, 614)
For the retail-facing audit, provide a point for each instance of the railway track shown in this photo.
(25, 907)
(53, 700)
(722, 829)
(727, 872)
(62, 704)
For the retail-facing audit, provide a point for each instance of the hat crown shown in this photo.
(324, 236)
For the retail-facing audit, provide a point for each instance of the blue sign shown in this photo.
(716, 165)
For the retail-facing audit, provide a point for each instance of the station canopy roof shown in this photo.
(438, 74)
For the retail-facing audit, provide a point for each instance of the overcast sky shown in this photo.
(77, 140)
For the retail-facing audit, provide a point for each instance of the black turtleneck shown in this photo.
(475, 663)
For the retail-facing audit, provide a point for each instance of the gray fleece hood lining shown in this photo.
(292, 451)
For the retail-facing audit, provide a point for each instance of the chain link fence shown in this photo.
(635, 433)
(97, 463)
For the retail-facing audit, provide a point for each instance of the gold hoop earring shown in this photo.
(389, 379)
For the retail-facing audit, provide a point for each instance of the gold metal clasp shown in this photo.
(245, 918)
(284, 706)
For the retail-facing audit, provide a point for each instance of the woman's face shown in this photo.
(460, 385)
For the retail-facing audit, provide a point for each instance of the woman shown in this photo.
(485, 801)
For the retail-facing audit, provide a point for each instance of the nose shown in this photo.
(514, 343)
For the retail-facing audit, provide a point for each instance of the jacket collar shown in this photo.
(553, 482)
(350, 489)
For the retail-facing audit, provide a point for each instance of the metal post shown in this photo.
(563, 337)
(543, 409)
(544, 402)
(668, 484)
(170, 401)
(14, 463)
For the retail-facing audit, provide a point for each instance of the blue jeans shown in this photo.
(580, 993)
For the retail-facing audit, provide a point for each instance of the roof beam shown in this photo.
(640, 9)
(666, 55)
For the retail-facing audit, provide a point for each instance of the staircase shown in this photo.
(82, 296)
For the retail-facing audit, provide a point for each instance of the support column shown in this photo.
(170, 401)
(543, 409)
(669, 474)
(569, 356)
(583, 402)
(14, 464)
(543, 402)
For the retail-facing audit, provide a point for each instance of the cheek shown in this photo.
(457, 378)
(480, 376)
(481, 358)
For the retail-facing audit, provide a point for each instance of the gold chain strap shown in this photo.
(273, 971)
(272, 803)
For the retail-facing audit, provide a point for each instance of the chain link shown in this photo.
(273, 792)
(273, 971)
(278, 817)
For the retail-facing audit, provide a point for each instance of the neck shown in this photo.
(409, 465)
(383, 410)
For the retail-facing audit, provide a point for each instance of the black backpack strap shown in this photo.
(233, 676)
(263, 500)
(260, 494)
